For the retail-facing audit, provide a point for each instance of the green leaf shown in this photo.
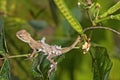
(5, 71)
(111, 10)
(66, 26)
(3, 47)
(101, 63)
(1, 36)
(40, 66)
(69, 16)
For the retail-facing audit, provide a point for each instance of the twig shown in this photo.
(16, 56)
(101, 27)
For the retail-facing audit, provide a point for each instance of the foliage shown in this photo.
(5, 68)
(101, 62)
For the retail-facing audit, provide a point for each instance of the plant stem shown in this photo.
(16, 56)
(102, 19)
(101, 27)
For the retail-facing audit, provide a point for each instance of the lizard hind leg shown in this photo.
(53, 65)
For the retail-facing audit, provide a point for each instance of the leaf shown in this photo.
(101, 63)
(69, 16)
(111, 10)
(1, 36)
(54, 11)
(40, 66)
(5, 71)
(3, 47)
(66, 26)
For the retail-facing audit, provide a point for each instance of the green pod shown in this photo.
(111, 10)
(68, 16)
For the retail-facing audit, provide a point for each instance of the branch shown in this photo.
(16, 56)
(101, 27)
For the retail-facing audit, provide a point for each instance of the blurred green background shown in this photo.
(41, 18)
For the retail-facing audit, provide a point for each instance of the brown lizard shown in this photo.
(40, 46)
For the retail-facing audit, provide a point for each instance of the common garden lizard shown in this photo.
(41, 46)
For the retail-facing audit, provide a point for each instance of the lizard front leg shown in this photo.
(32, 54)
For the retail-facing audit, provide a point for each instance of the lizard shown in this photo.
(41, 46)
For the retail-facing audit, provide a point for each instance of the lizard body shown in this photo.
(41, 46)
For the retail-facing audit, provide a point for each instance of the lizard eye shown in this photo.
(20, 35)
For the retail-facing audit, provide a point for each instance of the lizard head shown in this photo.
(24, 36)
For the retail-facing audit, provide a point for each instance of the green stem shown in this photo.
(16, 56)
(89, 17)
(102, 19)
(101, 27)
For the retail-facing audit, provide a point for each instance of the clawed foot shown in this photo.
(53, 67)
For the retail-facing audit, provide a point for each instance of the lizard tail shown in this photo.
(66, 49)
